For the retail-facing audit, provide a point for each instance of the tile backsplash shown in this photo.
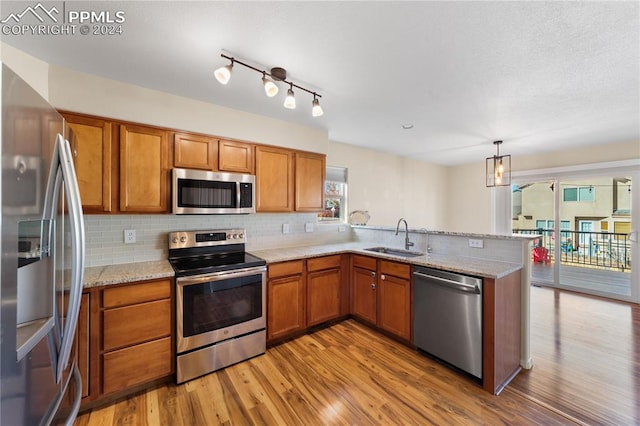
(105, 233)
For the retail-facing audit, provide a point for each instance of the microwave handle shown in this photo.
(238, 198)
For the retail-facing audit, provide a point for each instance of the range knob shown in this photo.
(183, 239)
(175, 240)
(240, 235)
(235, 236)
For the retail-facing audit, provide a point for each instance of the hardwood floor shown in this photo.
(586, 371)
(586, 355)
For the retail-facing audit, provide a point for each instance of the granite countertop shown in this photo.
(460, 264)
(96, 276)
(129, 272)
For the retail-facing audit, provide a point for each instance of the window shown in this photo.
(583, 193)
(335, 196)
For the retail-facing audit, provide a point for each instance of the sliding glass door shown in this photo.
(587, 239)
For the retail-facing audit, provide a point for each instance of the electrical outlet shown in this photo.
(342, 228)
(285, 228)
(129, 236)
(476, 243)
(308, 227)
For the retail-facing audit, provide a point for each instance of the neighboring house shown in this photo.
(595, 214)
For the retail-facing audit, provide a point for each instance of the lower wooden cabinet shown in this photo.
(394, 298)
(125, 338)
(137, 364)
(323, 289)
(381, 294)
(285, 299)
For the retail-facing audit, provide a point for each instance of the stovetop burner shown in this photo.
(206, 252)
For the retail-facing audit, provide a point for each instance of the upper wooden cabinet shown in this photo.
(90, 140)
(143, 169)
(310, 175)
(274, 179)
(195, 151)
(236, 157)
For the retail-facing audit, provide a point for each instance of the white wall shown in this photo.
(75, 91)
(469, 201)
(34, 71)
(390, 187)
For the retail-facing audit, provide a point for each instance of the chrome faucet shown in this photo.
(407, 243)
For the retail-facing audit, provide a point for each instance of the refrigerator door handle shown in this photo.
(76, 222)
(62, 164)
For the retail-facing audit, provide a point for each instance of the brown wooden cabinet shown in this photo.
(363, 288)
(234, 156)
(136, 338)
(274, 179)
(91, 145)
(193, 151)
(381, 294)
(83, 346)
(285, 299)
(323, 289)
(394, 298)
(144, 176)
(309, 181)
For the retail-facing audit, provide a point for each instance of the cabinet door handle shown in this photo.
(383, 277)
(373, 275)
(75, 152)
(373, 286)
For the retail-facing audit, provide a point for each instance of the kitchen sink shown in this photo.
(395, 251)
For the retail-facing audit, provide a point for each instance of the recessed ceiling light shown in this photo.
(407, 126)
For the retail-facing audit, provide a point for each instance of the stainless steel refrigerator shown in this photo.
(42, 264)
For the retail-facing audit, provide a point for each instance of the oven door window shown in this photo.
(219, 304)
(206, 194)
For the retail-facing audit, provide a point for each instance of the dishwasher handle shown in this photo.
(466, 288)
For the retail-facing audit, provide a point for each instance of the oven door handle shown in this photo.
(218, 276)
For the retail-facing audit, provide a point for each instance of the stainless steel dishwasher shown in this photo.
(447, 317)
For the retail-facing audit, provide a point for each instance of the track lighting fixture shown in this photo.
(498, 169)
(269, 79)
(290, 100)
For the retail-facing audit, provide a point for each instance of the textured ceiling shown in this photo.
(542, 76)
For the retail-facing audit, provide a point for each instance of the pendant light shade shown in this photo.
(316, 109)
(290, 100)
(270, 87)
(498, 168)
(223, 74)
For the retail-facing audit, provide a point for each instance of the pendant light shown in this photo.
(290, 100)
(498, 168)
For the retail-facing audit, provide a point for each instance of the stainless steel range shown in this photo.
(220, 301)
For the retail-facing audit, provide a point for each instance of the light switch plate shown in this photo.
(342, 228)
(129, 236)
(285, 228)
(308, 227)
(476, 243)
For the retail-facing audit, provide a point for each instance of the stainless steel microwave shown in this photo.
(204, 192)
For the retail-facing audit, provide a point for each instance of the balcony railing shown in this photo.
(608, 250)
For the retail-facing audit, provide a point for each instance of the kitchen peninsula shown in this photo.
(312, 272)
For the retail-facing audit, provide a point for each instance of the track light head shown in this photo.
(316, 109)
(270, 87)
(223, 74)
(290, 100)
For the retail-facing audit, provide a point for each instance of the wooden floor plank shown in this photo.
(587, 371)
